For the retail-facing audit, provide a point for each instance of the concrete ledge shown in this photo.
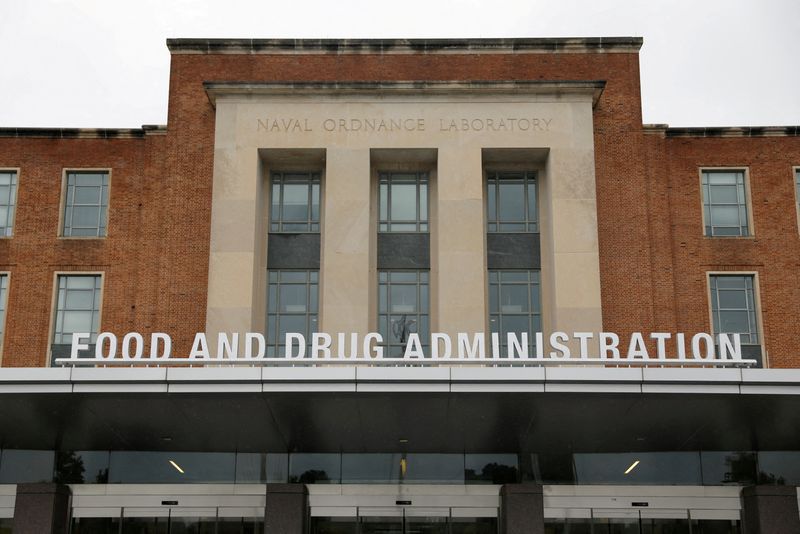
(404, 46)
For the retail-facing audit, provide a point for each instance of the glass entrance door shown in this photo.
(406, 521)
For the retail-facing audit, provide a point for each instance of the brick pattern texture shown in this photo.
(652, 252)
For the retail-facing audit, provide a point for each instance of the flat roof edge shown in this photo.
(723, 131)
(85, 133)
(404, 46)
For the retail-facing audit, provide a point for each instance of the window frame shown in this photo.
(748, 200)
(54, 305)
(4, 303)
(16, 171)
(530, 176)
(307, 313)
(425, 343)
(63, 203)
(418, 222)
(529, 314)
(756, 301)
(315, 177)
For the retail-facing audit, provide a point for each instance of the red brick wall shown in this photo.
(653, 256)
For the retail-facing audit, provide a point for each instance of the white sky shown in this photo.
(104, 63)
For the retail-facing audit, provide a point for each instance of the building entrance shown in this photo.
(405, 521)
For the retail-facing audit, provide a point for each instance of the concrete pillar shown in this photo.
(286, 508)
(346, 278)
(770, 510)
(522, 509)
(42, 509)
(458, 255)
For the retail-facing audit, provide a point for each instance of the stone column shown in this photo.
(286, 508)
(770, 510)
(42, 509)
(522, 509)
(458, 250)
(346, 277)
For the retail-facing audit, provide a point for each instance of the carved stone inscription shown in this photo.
(403, 124)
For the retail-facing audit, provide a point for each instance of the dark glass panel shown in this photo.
(192, 525)
(652, 468)
(251, 467)
(277, 467)
(314, 468)
(426, 525)
(334, 525)
(778, 467)
(145, 525)
(94, 525)
(473, 525)
(665, 526)
(381, 525)
(20, 466)
(434, 468)
(370, 468)
(715, 526)
(728, 468)
(82, 467)
(145, 467)
(491, 468)
(554, 469)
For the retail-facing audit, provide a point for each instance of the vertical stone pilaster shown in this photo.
(286, 508)
(522, 509)
(770, 510)
(42, 509)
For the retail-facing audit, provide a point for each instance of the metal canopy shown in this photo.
(369, 410)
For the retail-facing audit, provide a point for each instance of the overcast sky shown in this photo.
(104, 63)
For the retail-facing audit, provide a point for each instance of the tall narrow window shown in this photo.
(403, 202)
(86, 205)
(403, 309)
(295, 202)
(733, 307)
(78, 307)
(515, 305)
(725, 203)
(511, 202)
(292, 307)
(3, 298)
(8, 201)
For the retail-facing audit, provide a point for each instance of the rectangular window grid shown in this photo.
(292, 306)
(77, 307)
(725, 203)
(295, 202)
(733, 307)
(8, 201)
(511, 202)
(403, 202)
(403, 298)
(515, 306)
(3, 298)
(86, 206)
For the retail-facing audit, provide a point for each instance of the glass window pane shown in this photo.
(89, 179)
(22, 466)
(724, 194)
(734, 321)
(514, 299)
(722, 178)
(403, 298)
(87, 195)
(146, 467)
(314, 468)
(295, 202)
(511, 202)
(404, 202)
(293, 298)
(77, 321)
(725, 215)
(682, 468)
(732, 299)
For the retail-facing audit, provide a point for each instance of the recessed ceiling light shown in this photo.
(632, 467)
(176, 466)
(403, 440)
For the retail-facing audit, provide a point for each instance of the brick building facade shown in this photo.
(634, 236)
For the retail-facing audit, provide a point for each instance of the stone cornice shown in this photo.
(406, 46)
(592, 89)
